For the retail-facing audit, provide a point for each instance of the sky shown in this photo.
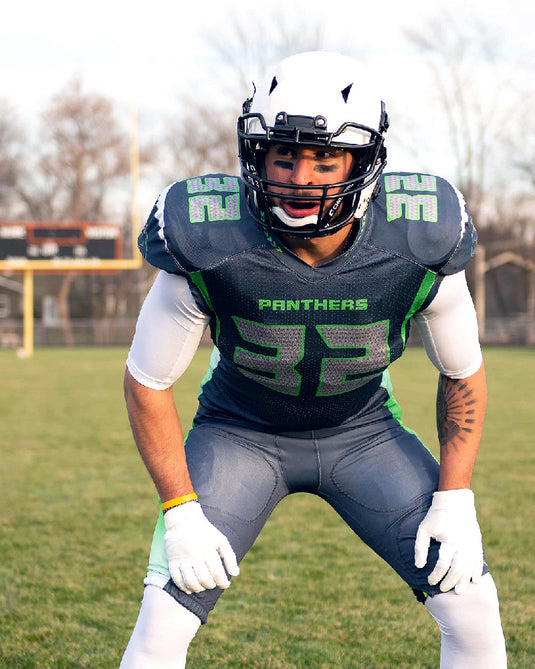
(143, 54)
(113, 42)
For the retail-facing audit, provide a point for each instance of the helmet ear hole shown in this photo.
(361, 160)
(259, 158)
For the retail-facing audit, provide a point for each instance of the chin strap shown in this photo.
(292, 222)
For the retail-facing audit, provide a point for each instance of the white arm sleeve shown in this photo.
(168, 331)
(449, 331)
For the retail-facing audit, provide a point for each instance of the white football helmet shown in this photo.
(314, 99)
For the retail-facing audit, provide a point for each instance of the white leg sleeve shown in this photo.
(472, 636)
(163, 632)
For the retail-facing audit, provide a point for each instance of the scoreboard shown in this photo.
(59, 247)
(65, 241)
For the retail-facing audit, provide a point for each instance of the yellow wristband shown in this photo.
(176, 501)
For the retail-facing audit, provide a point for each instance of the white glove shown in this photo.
(196, 550)
(452, 521)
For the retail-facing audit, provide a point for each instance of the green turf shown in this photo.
(78, 510)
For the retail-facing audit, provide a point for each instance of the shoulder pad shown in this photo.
(198, 222)
(425, 219)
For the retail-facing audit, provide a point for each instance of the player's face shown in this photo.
(305, 166)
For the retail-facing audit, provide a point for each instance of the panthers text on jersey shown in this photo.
(301, 347)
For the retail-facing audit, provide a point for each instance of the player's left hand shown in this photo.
(451, 520)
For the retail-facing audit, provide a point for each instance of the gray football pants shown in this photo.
(377, 475)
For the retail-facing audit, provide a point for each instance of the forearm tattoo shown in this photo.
(456, 410)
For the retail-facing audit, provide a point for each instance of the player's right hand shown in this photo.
(197, 552)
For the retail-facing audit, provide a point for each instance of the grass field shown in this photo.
(78, 511)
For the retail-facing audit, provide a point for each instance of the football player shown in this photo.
(309, 270)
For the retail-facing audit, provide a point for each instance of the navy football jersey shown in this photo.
(301, 347)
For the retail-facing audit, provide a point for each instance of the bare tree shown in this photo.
(522, 147)
(83, 153)
(11, 151)
(489, 129)
(198, 140)
(474, 95)
(202, 135)
(251, 40)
